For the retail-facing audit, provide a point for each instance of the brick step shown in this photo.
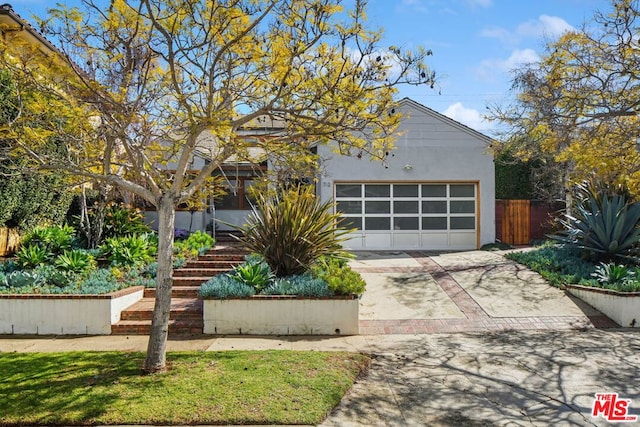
(216, 263)
(198, 272)
(143, 327)
(176, 292)
(190, 281)
(181, 309)
(230, 256)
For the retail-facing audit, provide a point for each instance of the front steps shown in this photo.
(185, 316)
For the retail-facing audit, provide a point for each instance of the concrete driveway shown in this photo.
(418, 292)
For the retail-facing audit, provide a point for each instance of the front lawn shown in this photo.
(234, 387)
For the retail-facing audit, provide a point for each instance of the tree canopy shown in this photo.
(162, 82)
(576, 110)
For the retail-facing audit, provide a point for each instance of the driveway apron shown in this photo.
(418, 292)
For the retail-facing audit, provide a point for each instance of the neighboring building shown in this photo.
(435, 190)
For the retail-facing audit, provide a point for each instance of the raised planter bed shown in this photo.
(621, 307)
(282, 315)
(35, 314)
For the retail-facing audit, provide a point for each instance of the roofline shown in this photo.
(7, 10)
(449, 120)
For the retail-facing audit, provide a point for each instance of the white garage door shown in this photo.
(409, 215)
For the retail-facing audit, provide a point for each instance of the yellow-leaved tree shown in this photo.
(576, 109)
(164, 80)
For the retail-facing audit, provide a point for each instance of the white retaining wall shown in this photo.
(621, 307)
(64, 314)
(281, 316)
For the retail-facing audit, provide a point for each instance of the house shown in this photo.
(434, 191)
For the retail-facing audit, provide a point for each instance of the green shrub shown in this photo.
(179, 262)
(224, 286)
(339, 277)
(51, 276)
(558, 264)
(200, 241)
(23, 279)
(100, 281)
(54, 239)
(302, 285)
(293, 229)
(611, 274)
(121, 220)
(76, 261)
(9, 266)
(129, 250)
(32, 255)
(258, 274)
(605, 225)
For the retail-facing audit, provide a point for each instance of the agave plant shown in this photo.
(605, 224)
(293, 229)
(255, 274)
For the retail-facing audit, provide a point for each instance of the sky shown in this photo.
(475, 44)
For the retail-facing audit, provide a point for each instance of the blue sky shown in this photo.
(475, 43)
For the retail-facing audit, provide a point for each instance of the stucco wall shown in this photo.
(429, 148)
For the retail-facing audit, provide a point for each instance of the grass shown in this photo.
(232, 387)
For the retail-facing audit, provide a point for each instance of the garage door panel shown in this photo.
(410, 215)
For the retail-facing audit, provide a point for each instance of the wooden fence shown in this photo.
(518, 222)
(9, 241)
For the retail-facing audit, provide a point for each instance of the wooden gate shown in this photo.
(518, 222)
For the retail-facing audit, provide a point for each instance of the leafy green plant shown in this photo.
(75, 260)
(339, 277)
(559, 264)
(258, 275)
(293, 229)
(604, 224)
(613, 274)
(54, 239)
(224, 286)
(53, 277)
(21, 279)
(128, 250)
(302, 285)
(200, 241)
(32, 255)
(9, 266)
(121, 220)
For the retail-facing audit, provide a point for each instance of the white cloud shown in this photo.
(480, 3)
(467, 116)
(544, 26)
(415, 5)
(489, 69)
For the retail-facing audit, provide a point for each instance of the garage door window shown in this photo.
(428, 207)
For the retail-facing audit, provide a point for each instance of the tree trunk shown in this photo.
(157, 347)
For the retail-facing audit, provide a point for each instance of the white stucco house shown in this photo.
(435, 191)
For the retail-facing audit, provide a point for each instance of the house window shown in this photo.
(237, 197)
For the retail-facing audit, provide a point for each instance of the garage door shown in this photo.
(409, 215)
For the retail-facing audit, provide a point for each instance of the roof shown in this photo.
(11, 21)
(416, 105)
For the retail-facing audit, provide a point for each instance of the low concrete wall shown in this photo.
(621, 307)
(64, 314)
(282, 315)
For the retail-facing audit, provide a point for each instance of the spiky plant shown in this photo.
(604, 224)
(292, 229)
